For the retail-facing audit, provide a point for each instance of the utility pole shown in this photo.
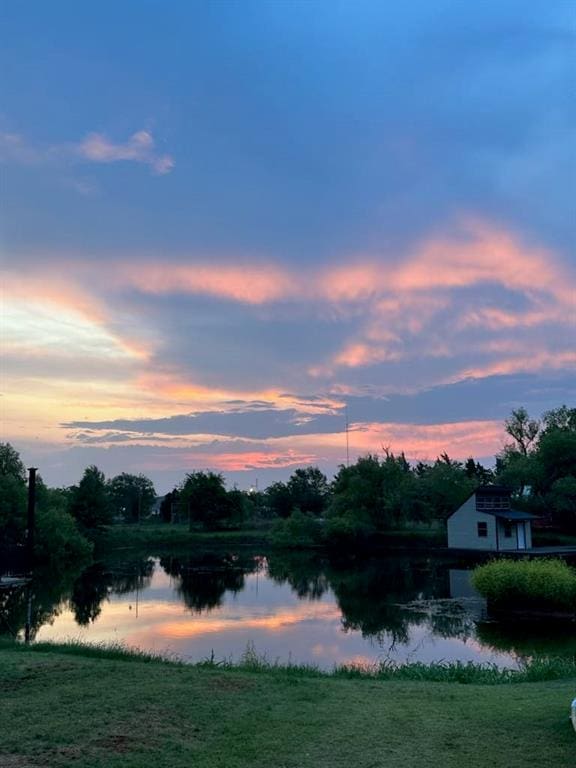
(347, 438)
(31, 515)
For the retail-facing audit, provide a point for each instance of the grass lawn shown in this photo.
(62, 709)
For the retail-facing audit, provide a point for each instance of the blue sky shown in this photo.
(224, 222)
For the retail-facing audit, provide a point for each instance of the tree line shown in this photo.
(373, 495)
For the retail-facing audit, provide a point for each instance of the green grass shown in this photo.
(174, 535)
(548, 584)
(94, 710)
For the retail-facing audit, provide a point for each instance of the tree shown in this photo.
(169, 506)
(476, 471)
(90, 501)
(561, 503)
(131, 496)
(12, 495)
(516, 470)
(279, 499)
(444, 486)
(203, 496)
(308, 490)
(522, 429)
(556, 456)
(363, 491)
(562, 419)
(10, 463)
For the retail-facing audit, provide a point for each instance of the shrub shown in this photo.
(58, 540)
(540, 584)
(298, 530)
(344, 532)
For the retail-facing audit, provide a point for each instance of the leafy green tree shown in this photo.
(374, 494)
(309, 491)
(58, 542)
(90, 501)
(255, 506)
(444, 486)
(204, 498)
(516, 470)
(476, 471)
(556, 456)
(562, 419)
(10, 462)
(12, 495)
(279, 499)
(357, 493)
(131, 496)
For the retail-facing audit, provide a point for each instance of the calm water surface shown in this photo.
(299, 608)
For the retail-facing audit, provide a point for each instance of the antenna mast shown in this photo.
(347, 438)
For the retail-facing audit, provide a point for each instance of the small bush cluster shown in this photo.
(298, 530)
(536, 584)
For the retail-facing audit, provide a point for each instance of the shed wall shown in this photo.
(462, 528)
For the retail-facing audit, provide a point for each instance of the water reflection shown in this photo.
(202, 580)
(297, 606)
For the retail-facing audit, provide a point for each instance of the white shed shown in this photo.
(486, 521)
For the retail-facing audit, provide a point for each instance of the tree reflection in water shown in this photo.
(83, 590)
(377, 595)
(384, 599)
(203, 579)
(100, 580)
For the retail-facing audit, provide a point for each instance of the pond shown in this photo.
(300, 608)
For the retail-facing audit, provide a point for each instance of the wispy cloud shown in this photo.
(139, 148)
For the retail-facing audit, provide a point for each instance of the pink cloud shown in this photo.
(248, 284)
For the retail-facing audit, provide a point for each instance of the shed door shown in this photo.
(521, 536)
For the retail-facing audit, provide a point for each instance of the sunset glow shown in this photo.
(222, 256)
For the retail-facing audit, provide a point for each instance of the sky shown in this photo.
(228, 227)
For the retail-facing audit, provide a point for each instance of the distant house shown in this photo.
(487, 521)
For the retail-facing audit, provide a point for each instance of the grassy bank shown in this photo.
(153, 534)
(66, 706)
(175, 535)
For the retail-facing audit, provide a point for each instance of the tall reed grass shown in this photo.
(548, 584)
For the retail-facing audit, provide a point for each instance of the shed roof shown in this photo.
(513, 515)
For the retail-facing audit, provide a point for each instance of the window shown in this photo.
(482, 530)
(507, 531)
